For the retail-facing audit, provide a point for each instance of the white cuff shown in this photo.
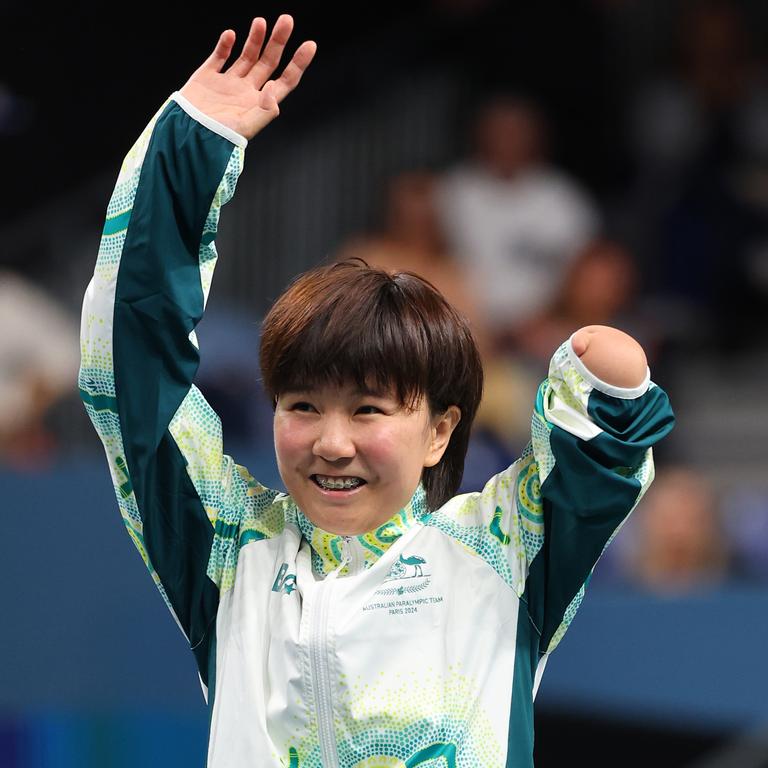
(208, 121)
(625, 393)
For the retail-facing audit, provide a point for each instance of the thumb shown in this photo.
(269, 98)
(580, 341)
(261, 115)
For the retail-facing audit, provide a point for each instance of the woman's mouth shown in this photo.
(344, 483)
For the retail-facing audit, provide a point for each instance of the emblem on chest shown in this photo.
(284, 582)
(408, 576)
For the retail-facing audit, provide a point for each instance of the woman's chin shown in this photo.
(342, 521)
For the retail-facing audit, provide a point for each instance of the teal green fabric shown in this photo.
(520, 731)
(587, 495)
(158, 301)
(211, 677)
(634, 425)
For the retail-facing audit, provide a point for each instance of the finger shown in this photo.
(221, 52)
(295, 69)
(252, 48)
(270, 58)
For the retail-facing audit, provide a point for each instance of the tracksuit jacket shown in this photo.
(420, 643)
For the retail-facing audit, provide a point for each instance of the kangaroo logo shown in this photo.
(284, 582)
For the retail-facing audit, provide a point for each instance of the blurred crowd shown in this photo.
(529, 255)
(39, 359)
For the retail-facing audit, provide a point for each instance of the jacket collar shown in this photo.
(364, 549)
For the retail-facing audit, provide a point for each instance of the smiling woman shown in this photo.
(351, 460)
(348, 336)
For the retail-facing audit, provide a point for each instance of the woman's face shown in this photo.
(328, 437)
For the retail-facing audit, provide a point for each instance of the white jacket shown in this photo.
(418, 644)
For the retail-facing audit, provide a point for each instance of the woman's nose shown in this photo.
(334, 439)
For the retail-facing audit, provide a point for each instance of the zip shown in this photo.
(352, 554)
(318, 662)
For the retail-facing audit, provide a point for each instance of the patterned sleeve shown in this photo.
(543, 523)
(592, 458)
(178, 493)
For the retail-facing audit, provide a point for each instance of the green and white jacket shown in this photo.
(420, 643)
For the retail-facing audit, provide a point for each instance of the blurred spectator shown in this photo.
(676, 541)
(412, 239)
(515, 221)
(599, 288)
(700, 138)
(39, 359)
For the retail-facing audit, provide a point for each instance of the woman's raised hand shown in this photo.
(245, 98)
(611, 355)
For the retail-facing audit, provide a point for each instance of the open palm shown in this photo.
(244, 98)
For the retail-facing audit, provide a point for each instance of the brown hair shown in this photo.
(350, 322)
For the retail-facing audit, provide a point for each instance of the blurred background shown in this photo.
(547, 165)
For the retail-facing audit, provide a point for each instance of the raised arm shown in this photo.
(596, 418)
(543, 522)
(176, 490)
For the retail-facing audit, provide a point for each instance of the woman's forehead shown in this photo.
(347, 388)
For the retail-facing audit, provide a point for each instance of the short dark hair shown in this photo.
(351, 322)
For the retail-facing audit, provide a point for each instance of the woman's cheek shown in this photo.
(291, 438)
(386, 446)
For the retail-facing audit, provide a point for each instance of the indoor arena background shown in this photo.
(644, 124)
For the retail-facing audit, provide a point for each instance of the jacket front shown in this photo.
(421, 643)
(404, 653)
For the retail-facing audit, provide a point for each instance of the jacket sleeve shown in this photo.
(593, 457)
(550, 515)
(177, 492)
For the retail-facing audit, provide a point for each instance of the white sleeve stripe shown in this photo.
(567, 418)
(539, 672)
(625, 393)
(208, 121)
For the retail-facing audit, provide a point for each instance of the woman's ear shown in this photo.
(441, 430)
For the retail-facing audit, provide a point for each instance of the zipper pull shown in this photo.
(347, 549)
(345, 558)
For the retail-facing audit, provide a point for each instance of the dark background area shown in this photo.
(85, 74)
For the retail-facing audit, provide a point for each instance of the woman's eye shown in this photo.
(303, 406)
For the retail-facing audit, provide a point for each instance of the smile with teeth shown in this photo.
(337, 483)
